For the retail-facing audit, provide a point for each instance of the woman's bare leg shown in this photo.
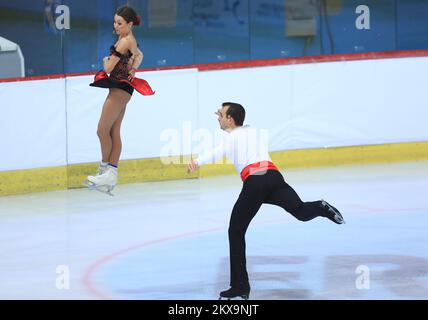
(116, 140)
(113, 109)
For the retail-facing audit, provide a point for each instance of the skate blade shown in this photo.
(339, 219)
(89, 184)
(337, 216)
(243, 297)
(105, 191)
(102, 189)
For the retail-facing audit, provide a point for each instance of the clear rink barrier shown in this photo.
(72, 36)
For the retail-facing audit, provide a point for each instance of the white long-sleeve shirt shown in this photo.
(243, 146)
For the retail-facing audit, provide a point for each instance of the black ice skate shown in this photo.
(235, 293)
(332, 213)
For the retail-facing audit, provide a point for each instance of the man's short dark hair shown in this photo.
(236, 111)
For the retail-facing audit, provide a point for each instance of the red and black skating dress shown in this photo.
(119, 77)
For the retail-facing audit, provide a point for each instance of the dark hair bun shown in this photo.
(129, 15)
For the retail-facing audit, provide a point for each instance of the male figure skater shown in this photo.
(262, 183)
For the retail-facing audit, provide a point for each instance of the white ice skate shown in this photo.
(104, 183)
(101, 169)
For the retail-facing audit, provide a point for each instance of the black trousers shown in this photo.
(267, 188)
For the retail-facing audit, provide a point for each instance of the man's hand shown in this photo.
(192, 166)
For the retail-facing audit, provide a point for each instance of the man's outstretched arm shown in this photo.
(208, 157)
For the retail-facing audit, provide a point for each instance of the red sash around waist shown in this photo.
(257, 168)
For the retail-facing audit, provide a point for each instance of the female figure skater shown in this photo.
(121, 64)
